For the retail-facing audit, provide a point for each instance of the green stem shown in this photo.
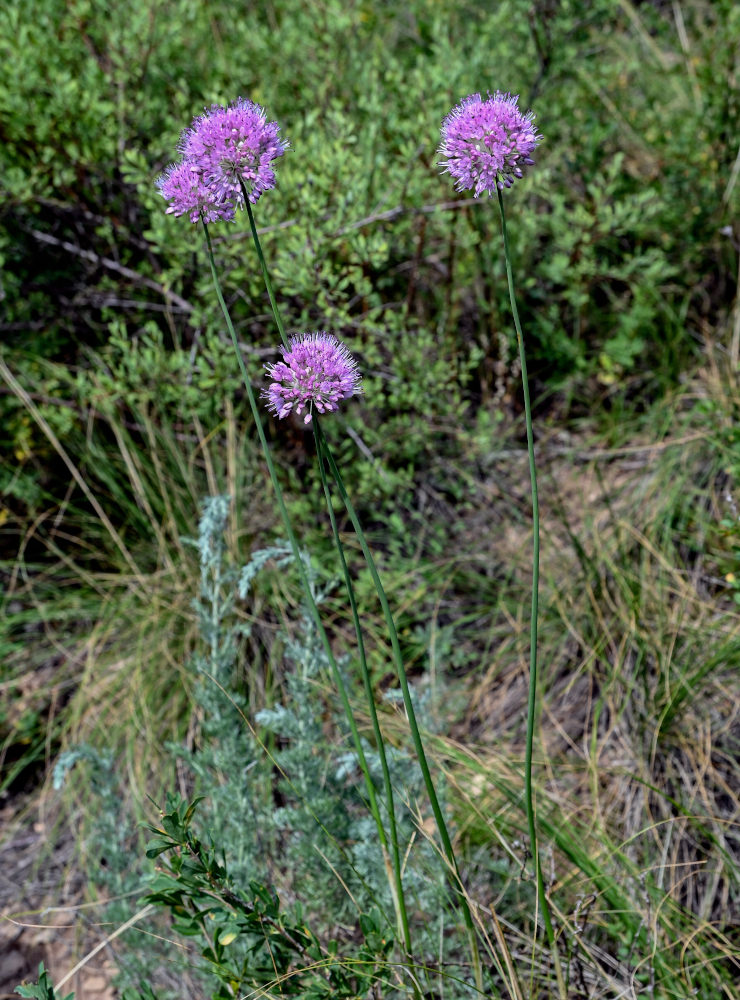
(398, 894)
(263, 265)
(401, 902)
(409, 706)
(532, 701)
(305, 582)
(446, 842)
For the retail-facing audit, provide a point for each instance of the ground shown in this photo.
(42, 912)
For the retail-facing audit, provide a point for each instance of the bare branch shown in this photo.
(112, 265)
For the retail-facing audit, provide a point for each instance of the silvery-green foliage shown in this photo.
(224, 764)
(288, 790)
(113, 858)
(215, 603)
(284, 800)
(101, 764)
(109, 842)
(280, 553)
(321, 787)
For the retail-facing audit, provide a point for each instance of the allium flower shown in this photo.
(316, 370)
(485, 144)
(231, 143)
(183, 186)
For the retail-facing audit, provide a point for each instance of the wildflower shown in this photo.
(183, 186)
(485, 144)
(233, 143)
(316, 370)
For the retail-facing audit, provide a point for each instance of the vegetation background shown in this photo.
(121, 412)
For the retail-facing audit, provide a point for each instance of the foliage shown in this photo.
(632, 188)
(43, 989)
(249, 942)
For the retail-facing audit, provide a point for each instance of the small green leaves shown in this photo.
(245, 937)
(43, 990)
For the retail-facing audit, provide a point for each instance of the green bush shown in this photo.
(632, 186)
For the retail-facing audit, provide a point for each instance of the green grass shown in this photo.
(638, 798)
(637, 760)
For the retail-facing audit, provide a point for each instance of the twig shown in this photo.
(113, 265)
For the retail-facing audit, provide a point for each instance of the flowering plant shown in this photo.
(226, 150)
(485, 144)
(316, 370)
(227, 156)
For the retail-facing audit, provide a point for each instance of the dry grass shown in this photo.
(639, 753)
(638, 758)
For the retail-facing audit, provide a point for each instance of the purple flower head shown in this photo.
(316, 370)
(232, 143)
(183, 186)
(485, 144)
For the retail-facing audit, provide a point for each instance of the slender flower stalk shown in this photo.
(311, 602)
(409, 706)
(369, 694)
(485, 146)
(532, 698)
(266, 276)
(317, 371)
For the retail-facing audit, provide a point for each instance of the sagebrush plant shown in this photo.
(318, 842)
(311, 859)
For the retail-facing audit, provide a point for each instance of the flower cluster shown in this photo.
(316, 370)
(224, 148)
(485, 144)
